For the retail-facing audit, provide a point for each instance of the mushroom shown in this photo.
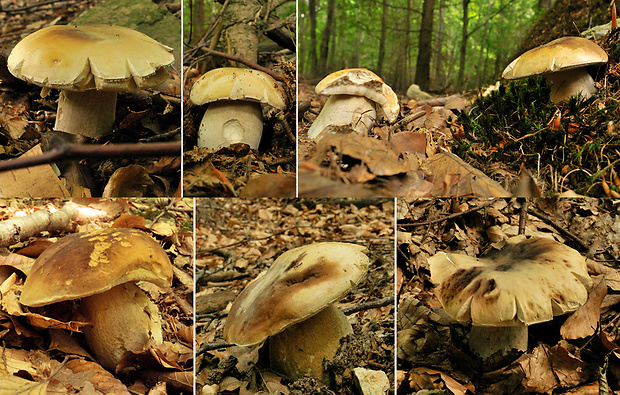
(292, 305)
(563, 62)
(100, 268)
(352, 106)
(89, 64)
(234, 114)
(527, 282)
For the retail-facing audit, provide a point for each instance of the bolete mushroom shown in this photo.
(352, 106)
(89, 64)
(100, 268)
(528, 281)
(234, 114)
(563, 62)
(292, 305)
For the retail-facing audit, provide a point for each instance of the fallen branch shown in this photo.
(18, 229)
(447, 217)
(246, 62)
(66, 151)
(373, 304)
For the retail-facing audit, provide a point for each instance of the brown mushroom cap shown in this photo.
(527, 282)
(84, 264)
(361, 82)
(300, 283)
(79, 58)
(231, 83)
(562, 54)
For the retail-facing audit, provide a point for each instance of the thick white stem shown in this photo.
(231, 121)
(485, 341)
(570, 82)
(301, 348)
(122, 319)
(344, 114)
(89, 113)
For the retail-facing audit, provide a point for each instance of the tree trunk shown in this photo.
(463, 50)
(312, 59)
(198, 20)
(439, 56)
(382, 41)
(480, 75)
(425, 41)
(243, 28)
(327, 33)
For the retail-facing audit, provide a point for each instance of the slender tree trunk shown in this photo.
(382, 40)
(358, 38)
(327, 33)
(463, 50)
(438, 73)
(312, 59)
(483, 46)
(198, 20)
(425, 42)
(243, 27)
(335, 41)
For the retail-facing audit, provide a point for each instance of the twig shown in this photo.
(409, 118)
(28, 7)
(560, 229)
(163, 212)
(451, 216)
(373, 304)
(67, 151)
(246, 62)
(523, 216)
(213, 346)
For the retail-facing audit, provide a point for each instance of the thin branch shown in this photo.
(66, 151)
(447, 217)
(37, 5)
(373, 304)
(246, 62)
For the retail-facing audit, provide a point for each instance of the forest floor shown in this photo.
(237, 239)
(432, 347)
(507, 139)
(27, 120)
(44, 350)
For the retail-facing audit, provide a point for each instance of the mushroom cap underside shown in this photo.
(361, 82)
(562, 54)
(300, 283)
(527, 282)
(84, 264)
(232, 83)
(104, 57)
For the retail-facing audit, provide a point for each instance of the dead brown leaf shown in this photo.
(583, 322)
(129, 181)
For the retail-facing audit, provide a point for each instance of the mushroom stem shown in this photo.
(301, 348)
(485, 341)
(570, 82)
(231, 121)
(89, 113)
(122, 319)
(344, 114)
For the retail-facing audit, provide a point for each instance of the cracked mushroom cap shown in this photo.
(527, 282)
(84, 264)
(562, 54)
(79, 58)
(299, 284)
(361, 82)
(231, 83)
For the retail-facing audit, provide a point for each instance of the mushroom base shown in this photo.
(122, 319)
(344, 114)
(300, 349)
(89, 113)
(570, 82)
(231, 121)
(484, 341)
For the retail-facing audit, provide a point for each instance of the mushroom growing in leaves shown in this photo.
(292, 305)
(352, 106)
(529, 281)
(563, 62)
(234, 114)
(100, 268)
(89, 64)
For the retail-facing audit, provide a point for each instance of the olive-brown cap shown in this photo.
(361, 82)
(526, 282)
(231, 83)
(84, 264)
(79, 58)
(299, 284)
(562, 54)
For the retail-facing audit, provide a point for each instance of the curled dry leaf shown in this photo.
(130, 181)
(584, 321)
